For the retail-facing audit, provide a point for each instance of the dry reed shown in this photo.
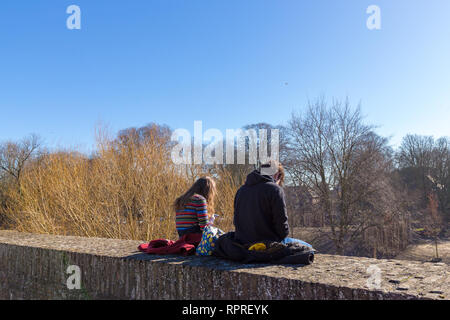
(124, 191)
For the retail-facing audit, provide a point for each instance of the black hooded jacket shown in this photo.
(260, 211)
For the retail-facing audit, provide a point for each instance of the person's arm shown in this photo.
(234, 207)
(202, 212)
(279, 211)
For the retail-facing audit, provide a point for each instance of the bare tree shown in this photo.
(424, 166)
(415, 155)
(14, 156)
(440, 175)
(416, 150)
(433, 222)
(238, 170)
(342, 162)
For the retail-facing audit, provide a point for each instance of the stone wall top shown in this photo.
(399, 279)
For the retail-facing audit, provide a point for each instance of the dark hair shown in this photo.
(205, 187)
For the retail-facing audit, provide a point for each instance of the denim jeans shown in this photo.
(195, 229)
(292, 240)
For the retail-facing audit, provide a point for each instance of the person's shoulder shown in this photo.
(272, 185)
(198, 198)
(273, 188)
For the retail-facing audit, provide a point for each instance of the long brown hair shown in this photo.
(205, 187)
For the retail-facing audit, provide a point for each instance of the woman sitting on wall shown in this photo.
(192, 216)
(191, 208)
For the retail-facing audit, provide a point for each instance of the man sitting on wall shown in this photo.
(261, 221)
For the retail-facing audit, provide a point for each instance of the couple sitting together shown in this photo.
(260, 219)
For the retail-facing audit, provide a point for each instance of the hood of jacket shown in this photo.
(255, 178)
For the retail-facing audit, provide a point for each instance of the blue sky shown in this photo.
(228, 63)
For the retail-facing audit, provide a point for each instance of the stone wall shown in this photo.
(34, 267)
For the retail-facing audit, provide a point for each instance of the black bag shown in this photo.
(277, 253)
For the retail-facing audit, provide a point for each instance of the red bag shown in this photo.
(185, 245)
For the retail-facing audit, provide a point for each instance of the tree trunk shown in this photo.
(339, 248)
(436, 247)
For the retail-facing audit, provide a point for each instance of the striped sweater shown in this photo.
(195, 212)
